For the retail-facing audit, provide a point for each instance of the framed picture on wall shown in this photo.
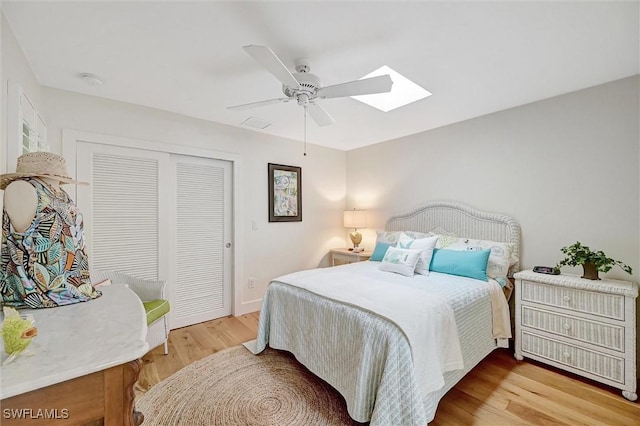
(285, 193)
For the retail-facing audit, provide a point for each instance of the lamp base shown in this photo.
(356, 238)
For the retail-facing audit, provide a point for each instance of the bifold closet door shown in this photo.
(203, 218)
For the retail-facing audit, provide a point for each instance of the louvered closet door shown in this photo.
(125, 208)
(203, 239)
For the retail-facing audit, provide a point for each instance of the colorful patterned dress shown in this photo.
(46, 265)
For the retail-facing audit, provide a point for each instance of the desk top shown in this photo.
(79, 339)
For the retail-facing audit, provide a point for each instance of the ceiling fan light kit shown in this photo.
(305, 88)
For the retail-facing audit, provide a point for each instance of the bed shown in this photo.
(394, 353)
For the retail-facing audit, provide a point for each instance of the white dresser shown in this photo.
(587, 327)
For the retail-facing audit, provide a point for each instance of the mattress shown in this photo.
(365, 355)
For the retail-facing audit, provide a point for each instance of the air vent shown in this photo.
(256, 123)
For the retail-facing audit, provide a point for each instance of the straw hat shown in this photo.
(40, 164)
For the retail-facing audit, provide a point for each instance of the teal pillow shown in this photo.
(380, 250)
(465, 263)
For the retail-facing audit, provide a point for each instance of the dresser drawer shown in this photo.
(603, 304)
(594, 332)
(599, 364)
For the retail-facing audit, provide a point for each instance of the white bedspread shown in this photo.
(367, 355)
(425, 318)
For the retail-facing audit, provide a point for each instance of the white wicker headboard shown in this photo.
(444, 217)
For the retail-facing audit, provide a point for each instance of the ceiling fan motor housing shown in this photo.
(309, 83)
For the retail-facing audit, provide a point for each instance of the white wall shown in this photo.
(566, 167)
(14, 67)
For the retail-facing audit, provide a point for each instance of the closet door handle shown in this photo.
(228, 245)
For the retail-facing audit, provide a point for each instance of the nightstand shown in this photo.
(587, 327)
(341, 256)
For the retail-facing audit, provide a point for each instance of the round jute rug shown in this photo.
(235, 388)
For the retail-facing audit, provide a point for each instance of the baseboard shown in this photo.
(248, 307)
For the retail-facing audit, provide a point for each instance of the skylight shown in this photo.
(403, 92)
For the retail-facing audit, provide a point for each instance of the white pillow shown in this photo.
(400, 261)
(425, 244)
(500, 260)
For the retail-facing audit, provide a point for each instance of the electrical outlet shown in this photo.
(252, 282)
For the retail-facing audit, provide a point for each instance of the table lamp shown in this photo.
(355, 219)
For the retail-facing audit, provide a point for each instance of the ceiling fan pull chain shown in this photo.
(305, 130)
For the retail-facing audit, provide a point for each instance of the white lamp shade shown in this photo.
(355, 219)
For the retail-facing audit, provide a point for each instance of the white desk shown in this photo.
(102, 339)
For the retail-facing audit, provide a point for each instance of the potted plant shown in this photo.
(591, 261)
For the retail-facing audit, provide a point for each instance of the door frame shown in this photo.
(70, 139)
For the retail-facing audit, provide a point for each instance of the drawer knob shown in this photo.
(566, 298)
(566, 354)
(566, 326)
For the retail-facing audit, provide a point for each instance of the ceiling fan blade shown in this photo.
(367, 86)
(319, 115)
(257, 104)
(265, 57)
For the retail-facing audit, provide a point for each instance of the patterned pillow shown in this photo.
(424, 244)
(388, 237)
(384, 240)
(400, 261)
(418, 235)
(500, 260)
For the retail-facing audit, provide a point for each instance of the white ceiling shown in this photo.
(475, 57)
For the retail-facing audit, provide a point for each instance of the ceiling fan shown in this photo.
(305, 88)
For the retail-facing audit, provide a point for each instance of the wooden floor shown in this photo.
(499, 391)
